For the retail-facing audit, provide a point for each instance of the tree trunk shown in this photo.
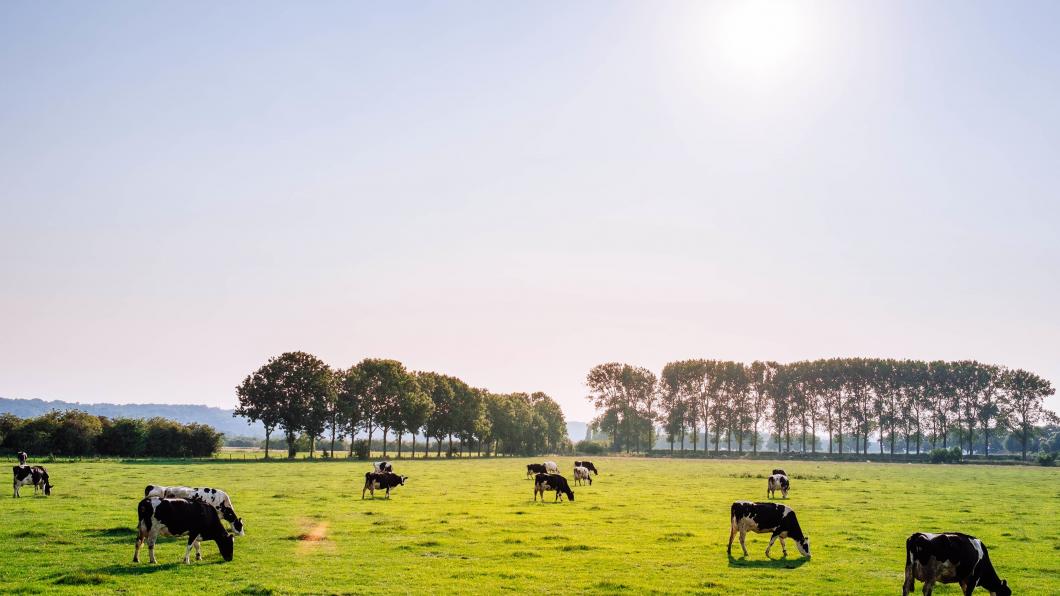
(291, 450)
(412, 452)
(754, 440)
(386, 431)
(450, 445)
(312, 446)
(268, 433)
(333, 441)
(400, 437)
(438, 443)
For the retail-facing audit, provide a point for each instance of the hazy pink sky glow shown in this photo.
(514, 193)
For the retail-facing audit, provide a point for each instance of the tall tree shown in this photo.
(290, 386)
(261, 396)
(1026, 393)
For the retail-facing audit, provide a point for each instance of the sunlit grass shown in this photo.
(471, 526)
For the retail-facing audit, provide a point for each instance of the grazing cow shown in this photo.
(35, 475)
(216, 498)
(374, 481)
(949, 558)
(777, 481)
(587, 464)
(767, 517)
(543, 482)
(22, 457)
(532, 469)
(551, 467)
(581, 474)
(383, 466)
(174, 517)
(779, 471)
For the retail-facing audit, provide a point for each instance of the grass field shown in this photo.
(471, 527)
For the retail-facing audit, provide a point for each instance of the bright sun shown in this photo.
(763, 36)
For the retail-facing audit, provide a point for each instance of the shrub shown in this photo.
(361, 449)
(945, 456)
(1047, 458)
(589, 448)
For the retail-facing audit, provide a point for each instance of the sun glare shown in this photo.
(763, 36)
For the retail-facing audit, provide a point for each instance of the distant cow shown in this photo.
(35, 475)
(949, 558)
(383, 466)
(779, 471)
(777, 482)
(543, 482)
(760, 518)
(581, 474)
(22, 457)
(532, 469)
(374, 481)
(214, 497)
(551, 467)
(587, 464)
(174, 517)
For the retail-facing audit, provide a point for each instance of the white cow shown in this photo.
(581, 474)
(551, 467)
(215, 497)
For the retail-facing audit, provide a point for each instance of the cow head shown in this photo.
(226, 544)
(229, 516)
(803, 544)
(1002, 590)
(48, 488)
(403, 479)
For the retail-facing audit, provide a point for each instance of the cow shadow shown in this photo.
(144, 568)
(781, 563)
(115, 534)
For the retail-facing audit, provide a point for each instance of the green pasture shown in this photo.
(471, 526)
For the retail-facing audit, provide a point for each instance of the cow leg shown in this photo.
(151, 538)
(732, 534)
(743, 544)
(772, 539)
(388, 492)
(139, 543)
(783, 548)
(909, 584)
(929, 586)
(198, 549)
(15, 487)
(187, 549)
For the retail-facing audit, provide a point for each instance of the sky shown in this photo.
(513, 193)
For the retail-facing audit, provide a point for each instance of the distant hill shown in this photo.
(576, 431)
(218, 418)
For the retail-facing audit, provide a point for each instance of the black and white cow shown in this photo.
(374, 481)
(35, 475)
(22, 457)
(383, 466)
(175, 517)
(587, 464)
(551, 467)
(543, 482)
(581, 474)
(760, 518)
(779, 471)
(532, 469)
(777, 482)
(949, 558)
(214, 497)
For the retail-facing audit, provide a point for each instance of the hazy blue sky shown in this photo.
(512, 193)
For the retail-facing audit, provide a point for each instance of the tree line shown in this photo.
(302, 397)
(78, 433)
(904, 404)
